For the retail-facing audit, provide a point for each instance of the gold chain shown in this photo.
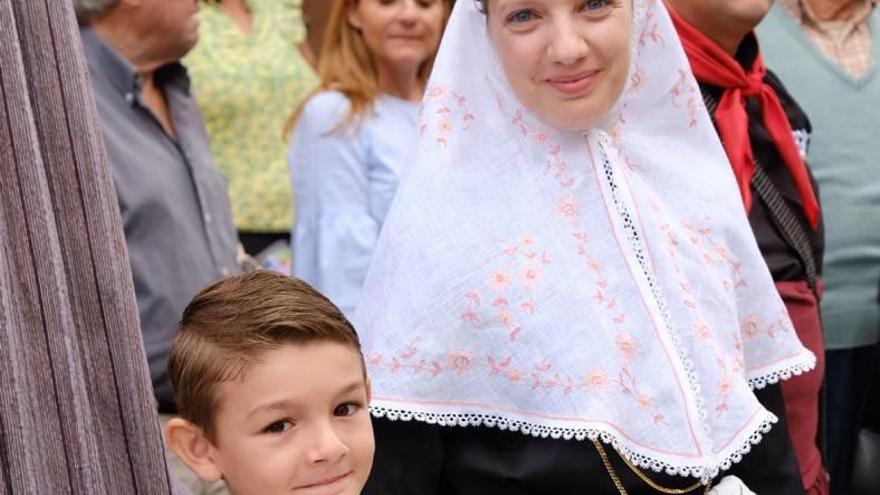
(609, 468)
(641, 475)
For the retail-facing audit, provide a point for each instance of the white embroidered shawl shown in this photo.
(604, 284)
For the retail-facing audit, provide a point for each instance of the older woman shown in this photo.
(566, 297)
(353, 137)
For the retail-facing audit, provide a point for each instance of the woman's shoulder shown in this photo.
(327, 101)
(324, 111)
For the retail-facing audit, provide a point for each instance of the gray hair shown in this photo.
(86, 10)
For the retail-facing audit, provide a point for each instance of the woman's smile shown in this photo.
(574, 85)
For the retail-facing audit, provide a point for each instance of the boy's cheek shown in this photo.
(362, 444)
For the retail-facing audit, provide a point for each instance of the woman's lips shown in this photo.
(575, 84)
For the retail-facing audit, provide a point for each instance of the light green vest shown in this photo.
(845, 158)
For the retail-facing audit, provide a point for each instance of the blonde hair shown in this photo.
(347, 66)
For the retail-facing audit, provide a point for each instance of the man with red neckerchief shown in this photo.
(766, 134)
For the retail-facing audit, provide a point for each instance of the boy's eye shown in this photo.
(278, 427)
(348, 409)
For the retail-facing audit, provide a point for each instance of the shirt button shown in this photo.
(224, 272)
(129, 97)
(207, 218)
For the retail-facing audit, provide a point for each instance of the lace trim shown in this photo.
(784, 373)
(644, 461)
(639, 250)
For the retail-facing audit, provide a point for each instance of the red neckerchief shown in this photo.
(712, 65)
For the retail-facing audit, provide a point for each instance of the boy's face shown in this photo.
(296, 423)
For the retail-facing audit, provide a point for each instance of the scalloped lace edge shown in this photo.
(782, 373)
(644, 461)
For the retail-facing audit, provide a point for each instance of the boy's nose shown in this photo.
(326, 446)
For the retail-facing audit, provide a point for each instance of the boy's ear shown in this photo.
(193, 448)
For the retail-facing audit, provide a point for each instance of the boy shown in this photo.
(271, 390)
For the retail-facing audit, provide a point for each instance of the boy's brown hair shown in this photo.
(230, 324)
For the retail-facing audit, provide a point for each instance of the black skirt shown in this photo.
(414, 458)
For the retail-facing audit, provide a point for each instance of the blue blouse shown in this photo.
(344, 182)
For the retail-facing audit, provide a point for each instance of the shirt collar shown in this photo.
(108, 62)
(103, 59)
(803, 13)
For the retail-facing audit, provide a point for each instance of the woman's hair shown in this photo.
(347, 66)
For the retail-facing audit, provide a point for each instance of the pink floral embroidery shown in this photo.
(596, 381)
(752, 328)
(630, 387)
(460, 361)
(531, 275)
(539, 376)
(636, 81)
(509, 289)
(702, 331)
(698, 236)
(500, 280)
(626, 346)
(651, 32)
(713, 253)
(567, 209)
(442, 113)
(684, 89)
(471, 317)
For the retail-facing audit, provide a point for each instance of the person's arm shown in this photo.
(334, 235)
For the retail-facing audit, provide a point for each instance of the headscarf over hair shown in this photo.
(576, 285)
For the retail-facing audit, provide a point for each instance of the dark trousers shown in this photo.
(846, 378)
(255, 242)
(419, 459)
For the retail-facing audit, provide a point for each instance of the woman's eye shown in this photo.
(521, 16)
(346, 409)
(595, 5)
(278, 427)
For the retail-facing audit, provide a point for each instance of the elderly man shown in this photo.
(825, 50)
(765, 133)
(175, 212)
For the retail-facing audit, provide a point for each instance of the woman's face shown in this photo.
(400, 34)
(566, 60)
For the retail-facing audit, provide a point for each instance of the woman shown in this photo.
(247, 72)
(352, 138)
(567, 272)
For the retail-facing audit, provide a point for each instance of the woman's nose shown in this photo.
(408, 13)
(567, 46)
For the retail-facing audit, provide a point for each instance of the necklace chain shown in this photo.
(619, 484)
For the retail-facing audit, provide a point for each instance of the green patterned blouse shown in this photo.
(247, 86)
